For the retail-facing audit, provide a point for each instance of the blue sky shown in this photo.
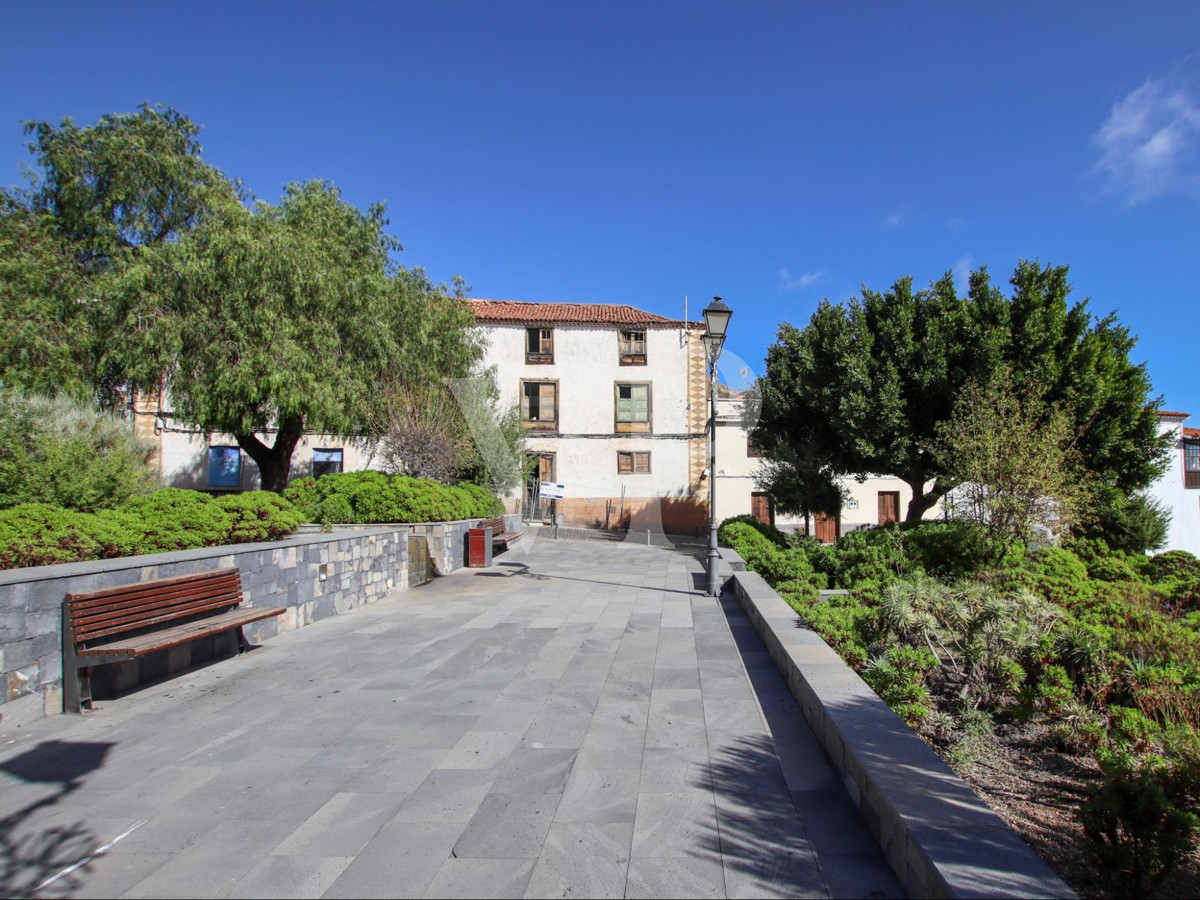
(774, 153)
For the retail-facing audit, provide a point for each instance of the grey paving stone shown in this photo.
(212, 865)
(508, 826)
(342, 827)
(480, 750)
(583, 860)
(290, 876)
(675, 824)
(599, 795)
(697, 875)
(110, 875)
(528, 771)
(400, 770)
(401, 861)
(837, 826)
(447, 795)
(675, 769)
(481, 878)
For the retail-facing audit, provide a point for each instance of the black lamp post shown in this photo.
(716, 323)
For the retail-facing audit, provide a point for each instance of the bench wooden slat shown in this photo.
(92, 625)
(80, 609)
(177, 594)
(154, 587)
(134, 623)
(164, 639)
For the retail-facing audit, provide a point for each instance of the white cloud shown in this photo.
(962, 275)
(1150, 144)
(799, 282)
(894, 220)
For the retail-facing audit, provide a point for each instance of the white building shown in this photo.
(1178, 488)
(876, 500)
(614, 400)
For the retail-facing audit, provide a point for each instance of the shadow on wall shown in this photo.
(36, 860)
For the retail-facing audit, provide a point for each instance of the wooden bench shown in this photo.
(500, 534)
(124, 623)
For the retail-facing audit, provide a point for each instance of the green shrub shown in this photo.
(898, 676)
(305, 497)
(948, 550)
(1078, 729)
(1137, 819)
(770, 532)
(38, 534)
(1174, 564)
(869, 560)
(62, 452)
(1131, 728)
(373, 497)
(258, 516)
(1058, 575)
(168, 519)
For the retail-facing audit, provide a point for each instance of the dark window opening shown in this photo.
(326, 462)
(539, 345)
(631, 346)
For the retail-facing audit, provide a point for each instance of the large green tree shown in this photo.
(99, 197)
(283, 319)
(130, 262)
(866, 385)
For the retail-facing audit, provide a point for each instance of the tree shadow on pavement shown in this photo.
(33, 859)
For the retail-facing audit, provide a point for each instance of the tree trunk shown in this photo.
(274, 462)
(921, 502)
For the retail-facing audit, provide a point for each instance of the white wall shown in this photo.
(1184, 503)
(736, 472)
(586, 366)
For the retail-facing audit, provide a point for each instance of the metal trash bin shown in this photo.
(479, 548)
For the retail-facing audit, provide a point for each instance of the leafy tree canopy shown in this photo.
(284, 319)
(130, 262)
(866, 385)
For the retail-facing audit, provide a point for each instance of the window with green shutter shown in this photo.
(633, 407)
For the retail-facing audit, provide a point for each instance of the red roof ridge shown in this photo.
(1166, 413)
(496, 311)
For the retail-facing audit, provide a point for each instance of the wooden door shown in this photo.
(826, 528)
(889, 507)
(760, 508)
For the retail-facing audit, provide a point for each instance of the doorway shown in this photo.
(889, 507)
(540, 467)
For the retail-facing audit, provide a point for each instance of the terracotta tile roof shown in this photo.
(1191, 432)
(520, 312)
(1167, 414)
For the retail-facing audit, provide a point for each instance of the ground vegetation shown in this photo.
(1062, 682)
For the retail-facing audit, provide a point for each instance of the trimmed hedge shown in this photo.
(38, 534)
(375, 498)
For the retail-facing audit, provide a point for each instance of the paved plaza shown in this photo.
(578, 720)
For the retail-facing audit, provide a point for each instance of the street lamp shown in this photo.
(716, 322)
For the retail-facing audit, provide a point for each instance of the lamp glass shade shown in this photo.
(712, 345)
(716, 318)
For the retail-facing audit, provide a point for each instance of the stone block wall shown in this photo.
(313, 575)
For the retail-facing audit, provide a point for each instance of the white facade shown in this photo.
(864, 505)
(186, 459)
(587, 449)
(1171, 489)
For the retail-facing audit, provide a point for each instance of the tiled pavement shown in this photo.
(578, 720)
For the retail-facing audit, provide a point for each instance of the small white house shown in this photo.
(1178, 488)
(875, 500)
